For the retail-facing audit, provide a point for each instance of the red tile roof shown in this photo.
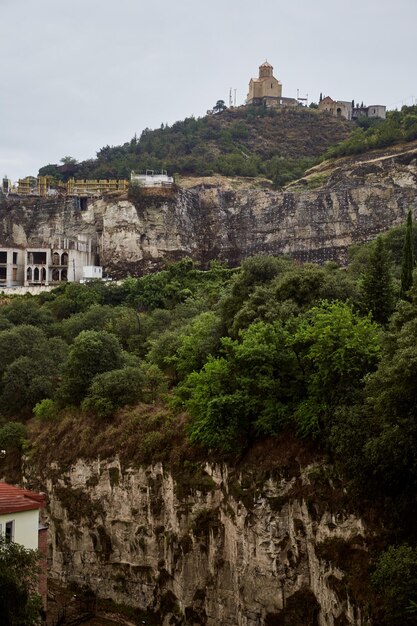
(15, 499)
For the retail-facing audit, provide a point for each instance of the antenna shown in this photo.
(235, 98)
(230, 98)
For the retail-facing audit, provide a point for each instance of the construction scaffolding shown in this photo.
(95, 187)
(31, 186)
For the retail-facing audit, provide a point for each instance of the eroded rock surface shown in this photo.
(234, 552)
(354, 203)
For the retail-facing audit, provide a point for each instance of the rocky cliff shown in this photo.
(315, 221)
(228, 547)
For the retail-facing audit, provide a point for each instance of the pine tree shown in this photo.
(377, 287)
(407, 264)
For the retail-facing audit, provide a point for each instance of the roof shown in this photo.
(266, 64)
(15, 499)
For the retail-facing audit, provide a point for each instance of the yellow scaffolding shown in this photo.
(95, 187)
(31, 186)
(42, 186)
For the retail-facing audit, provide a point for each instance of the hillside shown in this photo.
(191, 424)
(247, 141)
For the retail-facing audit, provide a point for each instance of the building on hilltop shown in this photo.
(348, 110)
(152, 179)
(375, 110)
(336, 108)
(266, 89)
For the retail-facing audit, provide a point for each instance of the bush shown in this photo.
(395, 580)
(45, 410)
(114, 389)
(12, 436)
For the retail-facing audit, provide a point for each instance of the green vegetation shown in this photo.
(398, 127)
(186, 363)
(408, 258)
(19, 604)
(249, 141)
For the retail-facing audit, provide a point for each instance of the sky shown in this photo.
(79, 75)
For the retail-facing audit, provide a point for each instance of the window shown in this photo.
(9, 531)
(14, 258)
(3, 257)
(14, 273)
(3, 273)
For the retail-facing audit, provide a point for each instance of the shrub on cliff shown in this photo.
(111, 390)
(93, 352)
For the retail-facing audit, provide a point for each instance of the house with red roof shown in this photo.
(19, 522)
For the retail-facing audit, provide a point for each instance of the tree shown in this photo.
(250, 390)
(219, 106)
(93, 352)
(395, 580)
(68, 160)
(377, 288)
(19, 604)
(24, 383)
(12, 436)
(114, 389)
(336, 348)
(407, 265)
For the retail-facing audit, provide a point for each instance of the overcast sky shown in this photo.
(83, 74)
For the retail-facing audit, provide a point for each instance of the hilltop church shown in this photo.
(266, 90)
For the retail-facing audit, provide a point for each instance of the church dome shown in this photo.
(265, 70)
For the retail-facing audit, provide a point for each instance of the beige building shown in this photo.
(375, 110)
(336, 108)
(266, 89)
(58, 263)
(61, 260)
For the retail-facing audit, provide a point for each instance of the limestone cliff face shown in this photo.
(224, 553)
(353, 203)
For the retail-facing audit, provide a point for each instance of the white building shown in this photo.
(152, 179)
(92, 272)
(50, 264)
(19, 515)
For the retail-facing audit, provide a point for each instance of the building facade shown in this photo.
(336, 108)
(62, 260)
(374, 111)
(265, 89)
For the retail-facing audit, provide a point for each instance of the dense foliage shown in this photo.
(19, 603)
(271, 347)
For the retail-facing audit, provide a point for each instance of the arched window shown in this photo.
(29, 274)
(55, 258)
(64, 275)
(36, 275)
(64, 258)
(43, 274)
(55, 275)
